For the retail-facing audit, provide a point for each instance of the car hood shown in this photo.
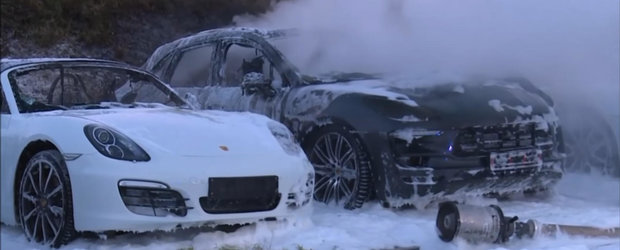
(486, 104)
(455, 104)
(188, 132)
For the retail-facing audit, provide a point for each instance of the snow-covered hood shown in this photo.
(187, 132)
(484, 103)
(457, 104)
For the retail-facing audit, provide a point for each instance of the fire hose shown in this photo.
(480, 224)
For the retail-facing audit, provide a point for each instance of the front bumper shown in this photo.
(99, 204)
(434, 164)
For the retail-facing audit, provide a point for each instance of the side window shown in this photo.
(193, 68)
(241, 60)
(67, 86)
(4, 106)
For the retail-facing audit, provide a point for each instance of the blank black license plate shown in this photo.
(243, 187)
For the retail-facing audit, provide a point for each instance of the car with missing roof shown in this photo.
(369, 138)
(93, 145)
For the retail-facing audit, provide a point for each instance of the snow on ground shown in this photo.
(579, 199)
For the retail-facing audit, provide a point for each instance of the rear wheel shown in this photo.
(341, 165)
(45, 203)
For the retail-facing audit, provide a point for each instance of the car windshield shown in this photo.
(62, 86)
(313, 62)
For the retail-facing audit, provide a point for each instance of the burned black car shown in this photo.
(368, 138)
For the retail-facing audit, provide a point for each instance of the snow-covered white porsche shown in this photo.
(93, 145)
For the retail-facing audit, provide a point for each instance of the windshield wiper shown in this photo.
(89, 106)
(42, 107)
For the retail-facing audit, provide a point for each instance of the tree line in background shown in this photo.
(114, 25)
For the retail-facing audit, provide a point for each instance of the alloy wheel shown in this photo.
(42, 202)
(336, 168)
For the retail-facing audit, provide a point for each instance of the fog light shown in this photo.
(153, 201)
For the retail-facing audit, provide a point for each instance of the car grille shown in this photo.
(475, 140)
(241, 195)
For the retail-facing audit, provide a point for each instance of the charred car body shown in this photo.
(367, 138)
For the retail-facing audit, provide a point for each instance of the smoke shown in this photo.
(561, 44)
(569, 48)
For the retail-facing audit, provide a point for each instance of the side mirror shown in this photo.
(254, 82)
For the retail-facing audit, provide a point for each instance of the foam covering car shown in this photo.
(368, 137)
(93, 145)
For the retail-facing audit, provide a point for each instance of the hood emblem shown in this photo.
(224, 148)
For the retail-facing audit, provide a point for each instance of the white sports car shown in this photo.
(93, 145)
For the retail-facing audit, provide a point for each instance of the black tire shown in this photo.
(45, 205)
(342, 177)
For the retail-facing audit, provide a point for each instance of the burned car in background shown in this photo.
(93, 145)
(367, 138)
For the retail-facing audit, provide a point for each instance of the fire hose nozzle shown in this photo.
(488, 224)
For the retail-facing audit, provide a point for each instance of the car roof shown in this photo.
(7, 63)
(210, 35)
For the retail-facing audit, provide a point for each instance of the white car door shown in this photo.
(9, 153)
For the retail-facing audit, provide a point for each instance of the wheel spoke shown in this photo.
(34, 228)
(47, 180)
(323, 170)
(321, 183)
(29, 215)
(338, 149)
(328, 147)
(337, 190)
(34, 187)
(40, 183)
(330, 189)
(56, 210)
(29, 198)
(43, 231)
(346, 190)
(53, 192)
(349, 174)
(346, 157)
(52, 225)
(320, 154)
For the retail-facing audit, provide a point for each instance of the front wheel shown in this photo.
(45, 206)
(590, 144)
(341, 165)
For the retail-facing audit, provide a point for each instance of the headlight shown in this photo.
(285, 138)
(114, 144)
